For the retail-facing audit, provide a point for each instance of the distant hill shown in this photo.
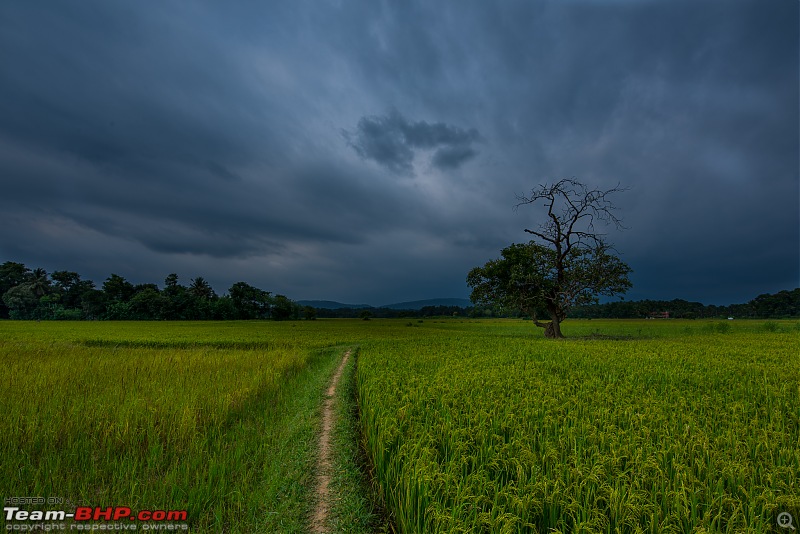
(331, 304)
(411, 305)
(419, 304)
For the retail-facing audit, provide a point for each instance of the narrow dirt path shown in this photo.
(320, 518)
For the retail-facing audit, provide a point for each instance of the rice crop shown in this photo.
(468, 425)
(666, 427)
(217, 419)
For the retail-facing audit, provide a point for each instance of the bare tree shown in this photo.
(572, 210)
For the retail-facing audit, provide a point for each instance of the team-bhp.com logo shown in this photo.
(117, 518)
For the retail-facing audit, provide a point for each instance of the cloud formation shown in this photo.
(207, 140)
(392, 141)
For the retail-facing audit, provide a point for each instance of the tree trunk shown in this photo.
(553, 330)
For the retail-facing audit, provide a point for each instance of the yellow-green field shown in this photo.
(218, 419)
(469, 426)
(672, 430)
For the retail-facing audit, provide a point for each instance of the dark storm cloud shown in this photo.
(207, 140)
(221, 172)
(452, 157)
(391, 140)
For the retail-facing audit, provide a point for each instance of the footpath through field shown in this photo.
(320, 517)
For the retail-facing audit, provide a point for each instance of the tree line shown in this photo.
(391, 313)
(783, 304)
(34, 294)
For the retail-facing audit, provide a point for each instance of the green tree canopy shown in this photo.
(526, 278)
(250, 302)
(201, 289)
(117, 288)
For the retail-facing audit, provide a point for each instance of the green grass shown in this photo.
(165, 417)
(286, 504)
(467, 425)
(488, 430)
(356, 508)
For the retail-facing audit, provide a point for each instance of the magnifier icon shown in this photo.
(785, 520)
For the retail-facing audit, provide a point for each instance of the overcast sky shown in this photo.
(370, 151)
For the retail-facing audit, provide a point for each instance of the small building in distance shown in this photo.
(658, 315)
